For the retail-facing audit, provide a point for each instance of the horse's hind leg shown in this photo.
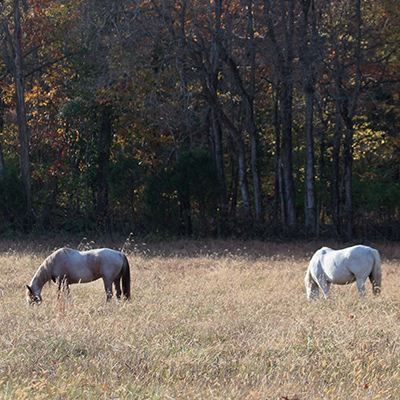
(324, 285)
(109, 293)
(108, 289)
(312, 291)
(117, 285)
(361, 286)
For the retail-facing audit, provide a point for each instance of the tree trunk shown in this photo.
(186, 216)
(233, 191)
(278, 198)
(248, 100)
(335, 193)
(307, 57)
(286, 156)
(309, 201)
(283, 17)
(218, 51)
(251, 126)
(219, 162)
(348, 101)
(215, 123)
(348, 181)
(21, 110)
(2, 167)
(212, 99)
(243, 183)
(104, 150)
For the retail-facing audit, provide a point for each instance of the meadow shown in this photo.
(207, 320)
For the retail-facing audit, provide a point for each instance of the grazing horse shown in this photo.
(66, 266)
(353, 264)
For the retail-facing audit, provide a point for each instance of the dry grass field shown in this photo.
(207, 320)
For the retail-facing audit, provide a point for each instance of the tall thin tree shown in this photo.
(15, 49)
(308, 59)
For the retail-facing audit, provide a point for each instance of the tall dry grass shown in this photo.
(207, 320)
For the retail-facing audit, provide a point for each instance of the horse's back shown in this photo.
(345, 265)
(86, 266)
(103, 252)
(104, 256)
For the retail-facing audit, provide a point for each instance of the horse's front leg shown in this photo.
(63, 288)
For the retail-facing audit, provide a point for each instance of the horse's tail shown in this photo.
(126, 278)
(376, 276)
(308, 280)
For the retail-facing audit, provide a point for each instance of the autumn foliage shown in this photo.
(163, 118)
(207, 319)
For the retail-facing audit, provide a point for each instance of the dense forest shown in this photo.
(246, 118)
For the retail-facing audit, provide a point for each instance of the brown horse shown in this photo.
(67, 266)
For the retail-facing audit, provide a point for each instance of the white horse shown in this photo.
(353, 264)
(66, 266)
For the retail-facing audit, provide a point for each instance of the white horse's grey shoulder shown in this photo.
(324, 250)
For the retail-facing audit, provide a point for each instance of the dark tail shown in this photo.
(126, 279)
(376, 276)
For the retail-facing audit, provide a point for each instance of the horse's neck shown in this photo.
(43, 275)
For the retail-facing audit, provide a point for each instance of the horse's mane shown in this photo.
(45, 271)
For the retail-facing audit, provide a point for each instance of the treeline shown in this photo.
(269, 118)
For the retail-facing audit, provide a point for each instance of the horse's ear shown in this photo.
(29, 288)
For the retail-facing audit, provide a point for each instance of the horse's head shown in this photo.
(33, 298)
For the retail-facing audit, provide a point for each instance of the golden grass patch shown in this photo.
(207, 320)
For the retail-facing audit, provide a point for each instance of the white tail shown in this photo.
(376, 276)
